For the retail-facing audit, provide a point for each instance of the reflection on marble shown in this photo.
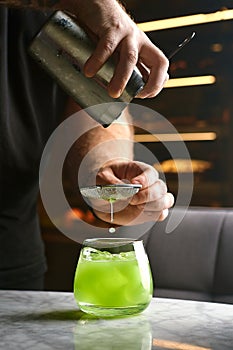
(48, 320)
(131, 333)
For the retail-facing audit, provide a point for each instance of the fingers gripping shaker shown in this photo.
(62, 48)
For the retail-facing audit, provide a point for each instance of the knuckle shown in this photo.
(100, 175)
(162, 186)
(132, 56)
(109, 45)
(162, 61)
(160, 204)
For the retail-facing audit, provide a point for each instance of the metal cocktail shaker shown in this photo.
(62, 48)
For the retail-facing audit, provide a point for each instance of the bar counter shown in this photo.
(52, 320)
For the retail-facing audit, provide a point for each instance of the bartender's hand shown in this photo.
(107, 21)
(151, 203)
(114, 30)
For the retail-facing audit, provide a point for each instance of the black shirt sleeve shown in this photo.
(31, 106)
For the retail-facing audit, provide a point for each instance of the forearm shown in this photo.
(99, 145)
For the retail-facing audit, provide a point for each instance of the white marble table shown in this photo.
(50, 321)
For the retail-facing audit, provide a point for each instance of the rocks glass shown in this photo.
(113, 277)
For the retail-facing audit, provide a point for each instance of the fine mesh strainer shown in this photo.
(110, 192)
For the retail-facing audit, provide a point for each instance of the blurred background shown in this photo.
(202, 114)
(200, 109)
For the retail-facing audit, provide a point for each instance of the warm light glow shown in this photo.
(167, 344)
(201, 18)
(190, 81)
(217, 47)
(187, 136)
(183, 166)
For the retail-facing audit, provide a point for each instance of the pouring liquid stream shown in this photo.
(111, 229)
(111, 211)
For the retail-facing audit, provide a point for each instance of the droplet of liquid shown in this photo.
(111, 230)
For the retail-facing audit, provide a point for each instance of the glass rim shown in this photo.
(109, 241)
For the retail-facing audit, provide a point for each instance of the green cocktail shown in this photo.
(113, 277)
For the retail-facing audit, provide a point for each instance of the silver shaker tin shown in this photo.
(62, 48)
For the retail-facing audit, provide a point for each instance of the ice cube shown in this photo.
(127, 255)
(106, 255)
(90, 253)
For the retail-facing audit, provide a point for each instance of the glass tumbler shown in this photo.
(113, 277)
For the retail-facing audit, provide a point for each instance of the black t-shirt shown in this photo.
(31, 105)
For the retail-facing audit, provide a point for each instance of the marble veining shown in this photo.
(52, 320)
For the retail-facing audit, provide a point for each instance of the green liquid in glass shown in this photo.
(112, 284)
